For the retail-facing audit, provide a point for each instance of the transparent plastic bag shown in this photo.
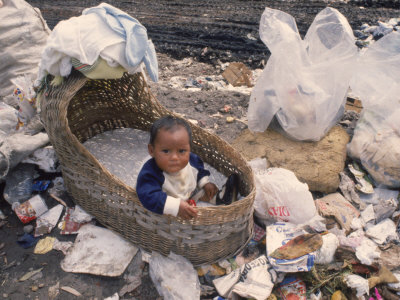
(376, 140)
(174, 277)
(19, 183)
(305, 82)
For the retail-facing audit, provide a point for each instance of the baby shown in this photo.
(168, 179)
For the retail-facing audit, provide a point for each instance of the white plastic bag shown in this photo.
(376, 140)
(23, 35)
(9, 120)
(305, 82)
(281, 196)
(174, 277)
(254, 280)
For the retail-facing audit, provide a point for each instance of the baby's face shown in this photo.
(171, 149)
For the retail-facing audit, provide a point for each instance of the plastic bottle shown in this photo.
(19, 183)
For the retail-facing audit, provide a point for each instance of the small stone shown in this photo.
(28, 228)
(230, 119)
(41, 285)
(360, 35)
(199, 108)
(5, 295)
(34, 288)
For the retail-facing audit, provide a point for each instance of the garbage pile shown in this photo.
(306, 245)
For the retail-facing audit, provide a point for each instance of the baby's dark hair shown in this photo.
(168, 122)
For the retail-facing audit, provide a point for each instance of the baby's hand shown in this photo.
(186, 211)
(210, 190)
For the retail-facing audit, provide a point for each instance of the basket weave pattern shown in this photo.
(80, 108)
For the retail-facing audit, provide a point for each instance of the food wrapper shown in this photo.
(30, 209)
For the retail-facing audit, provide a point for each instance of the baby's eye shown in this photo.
(182, 151)
(165, 150)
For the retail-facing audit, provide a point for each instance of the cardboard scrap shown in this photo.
(337, 206)
(298, 246)
(237, 74)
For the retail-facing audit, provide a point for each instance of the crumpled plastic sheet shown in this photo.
(358, 283)
(174, 277)
(383, 232)
(367, 252)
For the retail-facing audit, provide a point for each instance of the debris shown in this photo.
(278, 235)
(19, 183)
(72, 221)
(47, 221)
(27, 240)
(230, 119)
(31, 209)
(40, 185)
(347, 187)
(379, 195)
(292, 287)
(298, 246)
(98, 251)
(384, 276)
(34, 288)
(363, 185)
(309, 103)
(133, 275)
(250, 252)
(54, 290)
(45, 158)
(337, 206)
(237, 74)
(368, 214)
(174, 276)
(253, 280)
(358, 283)
(367, 252)
(281, 196)
(227, 108)
(395, 286)
(338, 295)
(57, 189)
(353, 104)
(58, 199)
(71, 291)
(325, 255)
(383, 232)
(385, 209)
(30, 274)
(44, 245)
(62, 246)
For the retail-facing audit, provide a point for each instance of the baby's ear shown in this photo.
(150, 148)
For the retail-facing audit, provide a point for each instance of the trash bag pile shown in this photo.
(306, 245)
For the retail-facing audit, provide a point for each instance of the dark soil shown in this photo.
(225, 30)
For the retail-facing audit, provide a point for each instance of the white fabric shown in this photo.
(179, 186)
(89, 36)
(75, 38)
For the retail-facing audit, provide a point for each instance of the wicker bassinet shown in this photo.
(80, 108)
